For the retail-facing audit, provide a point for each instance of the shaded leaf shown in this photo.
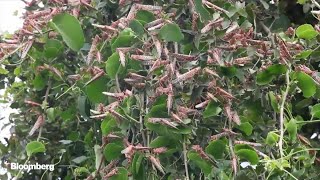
(216, 148)
(171, 32)
(205, 166)
(112, 151)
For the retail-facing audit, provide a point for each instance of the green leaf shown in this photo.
(53, 48)
(292, 129)
(145, 16)
(112, 151)
(171, 32)
(112, 65)
(228, 71)
(51, 114)
(204, 13)
(108, 124)
(94, 90)
(272, 138)
(35, 147)
(83, 106)
(125, 39)
(266, 76)
(89, 136)
(216, 148)
(306, 31)
(39, 82)
(3, 71)
(238, 147)
(212, 109)
(122, 174)
(161, 141)
(315, 111)
(205, 166)
(136, 164)
(17, 71)
(245, 127)
(158, 111)
(70, 30)
(302, 1)
(137, 27)
(274, 102)
(306, 84)
(249, 155)
(304, 54)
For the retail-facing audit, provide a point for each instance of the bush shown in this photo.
(162, 90)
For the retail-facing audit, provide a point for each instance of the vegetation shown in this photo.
(159, 89)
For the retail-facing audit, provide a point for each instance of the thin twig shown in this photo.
(185, 159)
(281, 118)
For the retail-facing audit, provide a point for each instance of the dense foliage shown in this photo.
(164, 89)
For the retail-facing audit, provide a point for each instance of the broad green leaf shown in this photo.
(35, 147)
(125, 39)
(306, 84)
(83, 106)
(306, 31)
(108, 124)
(249, 155)
(171, 32)
(315, 111)
(204, 13)
(216, 148)
(292, 129)
(266, 76)
(212, 109)
(159, 111)
(112, 151)
(145, 16)
(70, 30)
(94, 90)
(205, 166)
(272, 138)
(3, 71)
(137, 27)
(39, 82)
(245, 127)
(112, 65)
(122, 174)
(53, 48)
(304, 54)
